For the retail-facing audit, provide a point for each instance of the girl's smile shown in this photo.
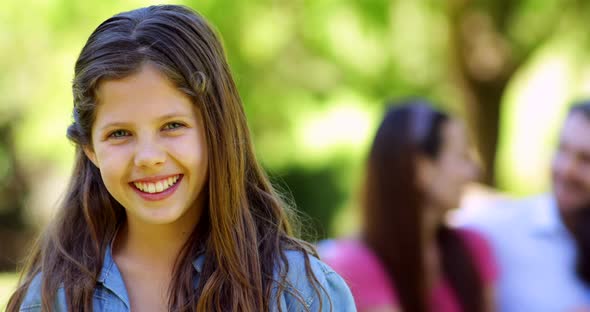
(157, 188)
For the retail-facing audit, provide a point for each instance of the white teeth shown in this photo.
(156, 187)
(159, 186)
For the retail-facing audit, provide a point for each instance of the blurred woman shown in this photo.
(407, 258)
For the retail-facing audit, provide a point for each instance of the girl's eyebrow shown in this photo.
(174, 115)
(115, 125)
(121, 124)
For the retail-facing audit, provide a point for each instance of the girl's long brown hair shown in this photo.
(244, 229)
(393, 212)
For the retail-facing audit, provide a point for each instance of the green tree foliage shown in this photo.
(314, 76)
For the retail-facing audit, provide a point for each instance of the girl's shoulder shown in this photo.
(33, 297)
(361, 269)
(330, 290)
(481, 252)
(346, 253)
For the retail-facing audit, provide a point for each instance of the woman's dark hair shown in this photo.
(393, 209)
(244, 229)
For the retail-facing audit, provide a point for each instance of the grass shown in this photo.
(7, 284)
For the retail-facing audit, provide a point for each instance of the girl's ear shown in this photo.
(91, 155)
(425, 172)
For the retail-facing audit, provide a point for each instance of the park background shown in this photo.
(315, 77)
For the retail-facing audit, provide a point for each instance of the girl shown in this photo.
(167, 208)
(412, 261)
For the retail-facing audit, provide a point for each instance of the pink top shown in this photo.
(371, 286)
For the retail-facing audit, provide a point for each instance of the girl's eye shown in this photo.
(118, 134)
(173, 125)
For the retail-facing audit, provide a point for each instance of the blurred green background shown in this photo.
(314, 76)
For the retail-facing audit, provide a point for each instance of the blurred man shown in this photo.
(542, 244)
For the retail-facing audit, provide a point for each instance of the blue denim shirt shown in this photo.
(110, 293)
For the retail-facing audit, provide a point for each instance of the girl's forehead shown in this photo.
(146, 77)
(144, 94)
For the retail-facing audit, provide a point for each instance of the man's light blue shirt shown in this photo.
(535, 252)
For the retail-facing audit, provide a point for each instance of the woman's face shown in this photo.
(445, 177)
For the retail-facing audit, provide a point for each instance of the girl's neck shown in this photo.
(141, 247)
(155, 245)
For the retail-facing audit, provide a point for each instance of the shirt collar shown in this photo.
(111, 277)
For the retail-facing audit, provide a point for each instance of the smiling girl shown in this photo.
(167, 208)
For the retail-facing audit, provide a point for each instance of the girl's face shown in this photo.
(148, 142)
(444, 178)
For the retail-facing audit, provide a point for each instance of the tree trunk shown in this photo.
(481, 67)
